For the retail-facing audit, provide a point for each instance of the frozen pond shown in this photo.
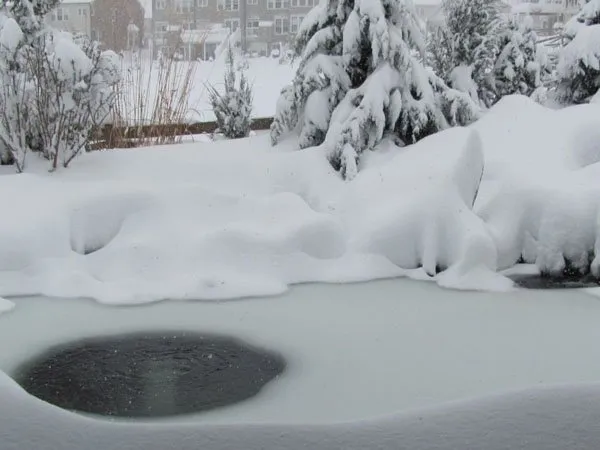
(353, 351)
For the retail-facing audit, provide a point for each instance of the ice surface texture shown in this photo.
(158, 374)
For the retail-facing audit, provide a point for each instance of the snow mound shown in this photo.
(5, 305)
(416, 209)
(237, 218)
(553, 418)
(540, 194)
(230, 219)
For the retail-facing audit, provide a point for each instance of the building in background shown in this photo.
(547, 16)
(270, 24)
(73, 16)
(118, 24)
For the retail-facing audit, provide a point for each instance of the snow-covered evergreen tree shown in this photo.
(359, 78)
(233, 108)
(440, 49)
(517, 69)
(476, 29)
(53, 90)
(579, 61)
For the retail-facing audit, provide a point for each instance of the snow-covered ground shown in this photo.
(239, 218)
(388, 364)
(266, 75)
(228, 219)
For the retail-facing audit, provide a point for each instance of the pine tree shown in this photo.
(476, 29)
(579, 61)
(440, 50)
(233, 108)
(517, 69)
(359, 78)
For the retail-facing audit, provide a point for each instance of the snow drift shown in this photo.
(537, 419)
(236, 218)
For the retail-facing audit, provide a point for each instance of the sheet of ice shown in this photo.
(370, 366)
(355, 351)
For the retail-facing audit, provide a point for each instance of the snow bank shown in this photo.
(540, 192)
(537, 419)
(416, 209)
(237, 218)
(232, 219)
(5, 305)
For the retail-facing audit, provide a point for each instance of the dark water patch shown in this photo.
(555, 282)
(147, 375)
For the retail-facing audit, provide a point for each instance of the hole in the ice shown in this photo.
(543, 281)
(149, 375)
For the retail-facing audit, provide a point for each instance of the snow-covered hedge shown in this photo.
(53, 87)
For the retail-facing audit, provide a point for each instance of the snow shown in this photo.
(10, 35)
(239, 218)
(266, 76)
(584, 50)
(6, 305)
(369, 366)
(550, 419)
(538, 194)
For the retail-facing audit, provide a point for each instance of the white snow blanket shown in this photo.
(5, 305)
(557, 418)
(238, 218)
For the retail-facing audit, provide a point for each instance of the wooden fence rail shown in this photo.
(111, 136)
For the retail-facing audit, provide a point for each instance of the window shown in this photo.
(82, 12)
(184, 6)
(282, 25)
(202, 3)
(161, 4)
(301, 3)
(295, 22)
(186, 26)
(228, 5)
(252, 2)
(161, 28)
(62, 15)
(232, 24)
(252, 25)
(232, 5)
(278, 4)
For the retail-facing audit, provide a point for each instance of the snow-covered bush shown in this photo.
(579, 62)
(475, 27)
(360, 77)
(53, 89)
(440, 49)
(490, 54)
(517, 69)
(233, 107)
